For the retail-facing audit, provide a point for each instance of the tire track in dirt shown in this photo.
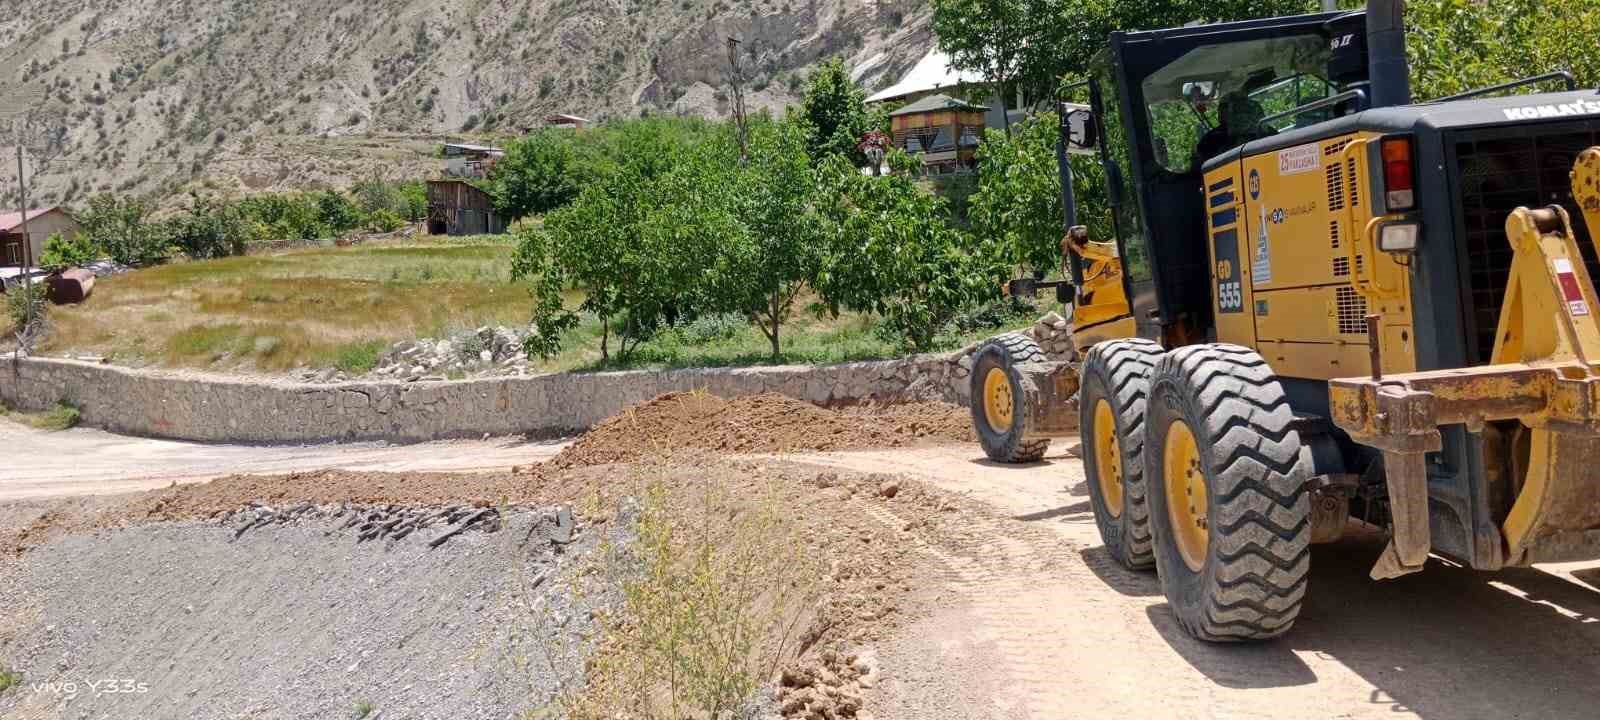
(1020, 613)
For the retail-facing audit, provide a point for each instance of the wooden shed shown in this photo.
(457, 207)
(940, 129)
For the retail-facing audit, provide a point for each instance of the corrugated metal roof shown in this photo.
(933, 103)
(932, 72)
(10, 221)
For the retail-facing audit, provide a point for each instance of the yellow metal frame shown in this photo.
(1545, 374)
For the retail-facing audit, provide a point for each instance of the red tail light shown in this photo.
(1399, 181)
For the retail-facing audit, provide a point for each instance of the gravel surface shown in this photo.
(289, 613)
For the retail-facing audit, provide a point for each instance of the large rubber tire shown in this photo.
(1117, 372)
(1256, 532)
(1006, 442)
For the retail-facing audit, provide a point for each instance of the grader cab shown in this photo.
(1324, 302)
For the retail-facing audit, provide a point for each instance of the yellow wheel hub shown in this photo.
(1108, 458)
(1185, 485)
(997, 399)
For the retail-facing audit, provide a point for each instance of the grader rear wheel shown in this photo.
(1000, 403)
(1229, 508)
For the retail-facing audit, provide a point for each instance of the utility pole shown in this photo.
(736, 79)
(27, 243)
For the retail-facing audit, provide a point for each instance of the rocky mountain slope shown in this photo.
(243, 95)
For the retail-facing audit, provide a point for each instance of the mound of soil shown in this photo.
(765, 423)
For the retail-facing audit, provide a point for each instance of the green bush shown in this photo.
(60, 252)
(384, 220)
(29, 312)
(1018, 200)
(834, 114)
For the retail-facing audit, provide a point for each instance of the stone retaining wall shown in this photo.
(217, 408)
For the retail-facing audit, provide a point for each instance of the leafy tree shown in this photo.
(338, 213)
(1032, 44)
(120, 227)
(892, 251)
(1458, 45)
(777, 249)
(834, 114)
(212, 228)
(1019, 193)
(286, 216)
(534, 177)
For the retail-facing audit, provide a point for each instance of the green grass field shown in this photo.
(315, 307)
(342, 307)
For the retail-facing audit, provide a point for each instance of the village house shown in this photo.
(470, 161)
(561, 121)
(941, 130)
(42, 224)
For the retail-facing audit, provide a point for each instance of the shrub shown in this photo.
(60, 252)
(834, 114)
(384, 220)
(29, 313)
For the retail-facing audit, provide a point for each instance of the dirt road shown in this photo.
(84, 461)
(1026, 617)
(1016, 611)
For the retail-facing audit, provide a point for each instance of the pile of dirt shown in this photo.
(765, 423)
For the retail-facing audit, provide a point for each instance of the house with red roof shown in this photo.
(17, 249)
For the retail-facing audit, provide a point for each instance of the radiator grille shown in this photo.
(1498, 174)
(1351, 177)
(1335, 187)
(1341, 267)
(1352, 311)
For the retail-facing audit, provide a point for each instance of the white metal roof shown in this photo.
(932, 72)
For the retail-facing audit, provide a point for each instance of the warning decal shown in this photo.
(1261, 262)
(1569, 288)
(1300, 159)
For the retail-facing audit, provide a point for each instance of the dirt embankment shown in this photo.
(852, 537)
(766, 423)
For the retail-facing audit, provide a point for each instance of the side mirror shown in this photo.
(1021, 287)
(1078, 127)
(1200, 92)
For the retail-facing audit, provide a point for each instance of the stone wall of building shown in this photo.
(220, 408)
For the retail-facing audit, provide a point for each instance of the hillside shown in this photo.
(243, 95)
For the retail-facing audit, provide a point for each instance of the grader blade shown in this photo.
(1545, 373)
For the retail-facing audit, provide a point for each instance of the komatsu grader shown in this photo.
(1323, 302)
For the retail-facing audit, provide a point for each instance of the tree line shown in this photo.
(130, 230)
(659, 221)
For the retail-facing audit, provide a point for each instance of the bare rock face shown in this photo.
(296, 93)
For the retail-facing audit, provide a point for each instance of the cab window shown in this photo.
(1218, 97)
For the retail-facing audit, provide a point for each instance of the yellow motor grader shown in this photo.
(1323, 302)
